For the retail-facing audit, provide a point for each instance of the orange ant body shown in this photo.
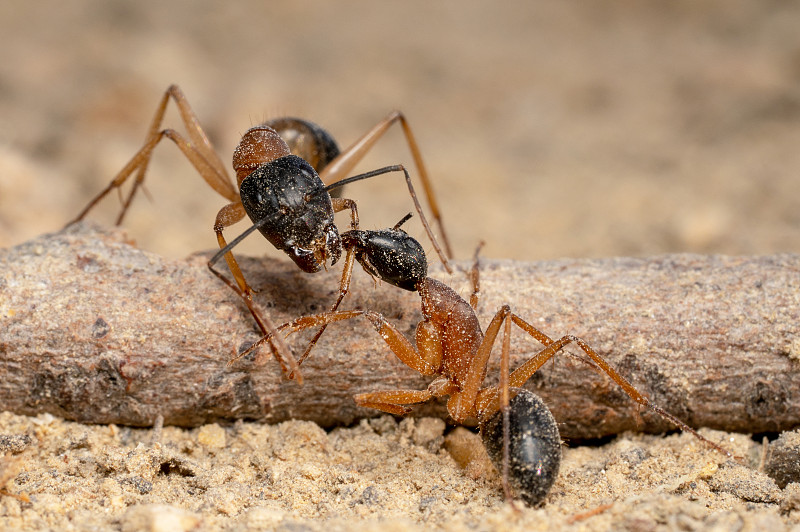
(519, 433)
(284, 169)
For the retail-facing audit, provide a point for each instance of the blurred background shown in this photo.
(550, 129)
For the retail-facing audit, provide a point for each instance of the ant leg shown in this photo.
(474, 277)
(348, 158)
(522, 439)
(344, 287)
(197, 149)
(347, 272)
(202, 152)
(393, 401)
(227, 216)
(485, 403)
(299, 324)
(504, 401)
(424, 359)
(526, 371)
(198, 136)
(489, 399)
(138, 161)
(339, 204)
(466, 403)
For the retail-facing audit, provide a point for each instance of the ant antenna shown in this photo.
(417, 206)
(365, 175)
(258, 225)
(405, 218)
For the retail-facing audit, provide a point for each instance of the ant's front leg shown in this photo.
(425, 360)
(344, 287)
(339, 204)
(227, 216)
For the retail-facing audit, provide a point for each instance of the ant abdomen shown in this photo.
(534, 445)
(307, 140)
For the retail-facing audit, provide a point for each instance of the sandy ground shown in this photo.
(557, 130)
(379, 474)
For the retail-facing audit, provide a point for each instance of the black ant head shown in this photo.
(289, 196)
(390, 255)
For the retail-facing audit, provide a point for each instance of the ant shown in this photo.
(519, 432)
(282, 167)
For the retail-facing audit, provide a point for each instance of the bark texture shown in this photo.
(95, 330)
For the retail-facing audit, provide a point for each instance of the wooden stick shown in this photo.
(94, 330)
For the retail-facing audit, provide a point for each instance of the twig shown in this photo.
(95, 330)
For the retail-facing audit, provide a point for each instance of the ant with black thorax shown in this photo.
(282, 167)
(517, 428)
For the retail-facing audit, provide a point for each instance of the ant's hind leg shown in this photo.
(526, 370)
(138, 162)
(197, 149)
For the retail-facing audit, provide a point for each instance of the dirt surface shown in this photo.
(94, 330)
(380, 474)
(560, 129)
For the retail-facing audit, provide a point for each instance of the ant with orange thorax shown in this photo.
(285, 169)
(516, 427)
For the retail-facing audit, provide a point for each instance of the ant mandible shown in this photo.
(280, 189)
(519, 433)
